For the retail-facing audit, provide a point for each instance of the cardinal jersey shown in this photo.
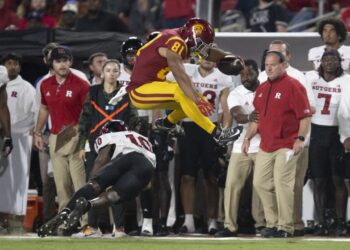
(150, 66)
(327, 97)
(126, 142)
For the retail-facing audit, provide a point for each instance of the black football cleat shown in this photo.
(174, 131)
(50, 228)
(81, 207)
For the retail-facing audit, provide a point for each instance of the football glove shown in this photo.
(204, 106)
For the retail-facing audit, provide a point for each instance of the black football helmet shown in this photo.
(113, 126)
(130, 47)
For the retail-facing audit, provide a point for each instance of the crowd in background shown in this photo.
(141, 17)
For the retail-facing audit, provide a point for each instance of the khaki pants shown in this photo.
(302, 165)
(274, 179)
(239, 169)
(68, 170)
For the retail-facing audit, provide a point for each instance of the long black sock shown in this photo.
(87, 192)
(146, 203)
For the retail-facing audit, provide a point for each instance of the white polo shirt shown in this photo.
(243, 97)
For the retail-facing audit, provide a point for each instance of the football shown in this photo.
(230, 65)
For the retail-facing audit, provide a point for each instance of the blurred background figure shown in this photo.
(68, 17)
(9, 19)
(35, 15)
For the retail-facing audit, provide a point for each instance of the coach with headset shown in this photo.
(283, 122)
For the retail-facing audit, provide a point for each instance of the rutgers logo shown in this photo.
(14, 94)
(198, 29)
(69, 93)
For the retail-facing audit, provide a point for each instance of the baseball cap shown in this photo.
(70, 7)
(60, 52)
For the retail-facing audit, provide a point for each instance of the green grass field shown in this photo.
(178, 244)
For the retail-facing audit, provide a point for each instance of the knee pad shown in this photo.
(95, 186)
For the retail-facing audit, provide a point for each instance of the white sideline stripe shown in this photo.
(201, 238)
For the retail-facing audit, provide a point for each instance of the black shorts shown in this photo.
(128, 174)
(197, 150)
(325, 152)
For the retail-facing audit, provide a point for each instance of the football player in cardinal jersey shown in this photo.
(325, 146)
(124, 166)
(149, 89)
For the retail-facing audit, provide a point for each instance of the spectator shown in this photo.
(96, 112)
(68, 17)
(303, 160)
(267, 17)
(299, 11)
(241, 166)
(62, 97)
(98, 20)
(140, 17)
(325, 146)
(15, 179)
(96, 61)
(282, 124)
(177, 13)
(36, 17)
(333, 34)
(9, 20)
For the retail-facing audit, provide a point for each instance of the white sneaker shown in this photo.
(88, 232)
(118, 232)
(147, 227)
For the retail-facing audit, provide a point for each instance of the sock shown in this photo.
(146, 203)
(189, 223)
(212, 224)
(147, 225)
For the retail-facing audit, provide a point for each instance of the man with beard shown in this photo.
(62, 97)
(241, 166)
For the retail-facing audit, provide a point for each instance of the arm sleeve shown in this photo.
(85, 122)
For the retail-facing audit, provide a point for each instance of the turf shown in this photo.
(149, 244)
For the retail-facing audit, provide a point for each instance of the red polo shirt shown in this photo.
(64, 101)
(281, 104)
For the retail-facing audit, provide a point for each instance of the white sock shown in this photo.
(189, 223)
(147, 225)
(212, 224)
